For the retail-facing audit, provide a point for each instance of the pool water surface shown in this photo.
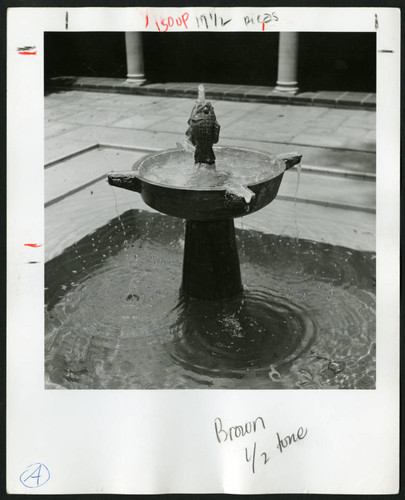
(115, 317)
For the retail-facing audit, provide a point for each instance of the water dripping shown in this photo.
(117, 211)
(298, 167)
(242, 246)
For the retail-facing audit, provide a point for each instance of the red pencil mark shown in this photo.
(28, 53)
(147, 21)
(166, 23)
(263, 24)
(185, 17)
(33, 245)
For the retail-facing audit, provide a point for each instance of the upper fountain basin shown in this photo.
(242, 182)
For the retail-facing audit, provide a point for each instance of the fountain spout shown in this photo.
(203, 130)
(290, 159)
(126, 181)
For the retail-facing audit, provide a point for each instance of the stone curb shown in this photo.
(241, 93)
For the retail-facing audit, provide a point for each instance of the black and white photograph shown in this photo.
(233, 246)
(203, 258)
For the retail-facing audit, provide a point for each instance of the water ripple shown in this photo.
(115, 317)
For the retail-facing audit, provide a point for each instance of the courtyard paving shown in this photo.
(88, 134)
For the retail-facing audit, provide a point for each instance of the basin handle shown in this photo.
(290, 159)
(128, 181)
(238, 196)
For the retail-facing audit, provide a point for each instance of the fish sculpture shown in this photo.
(203, 130)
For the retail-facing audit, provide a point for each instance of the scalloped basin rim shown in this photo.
(136, 169)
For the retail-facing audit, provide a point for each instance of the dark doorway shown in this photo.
(85, 54)
(241, 58)
(337, 61)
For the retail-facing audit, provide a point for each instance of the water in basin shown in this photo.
(232, 166)
(115, 318)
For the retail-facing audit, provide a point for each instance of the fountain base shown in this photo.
(211, 268)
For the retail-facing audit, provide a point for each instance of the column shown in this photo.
(287, 63)
(135, 70)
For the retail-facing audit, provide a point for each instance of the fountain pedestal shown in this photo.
(211, 263)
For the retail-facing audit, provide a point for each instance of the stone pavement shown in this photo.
(88, 134)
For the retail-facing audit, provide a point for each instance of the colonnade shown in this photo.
(287, 61)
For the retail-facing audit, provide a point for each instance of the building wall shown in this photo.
(327, 61)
